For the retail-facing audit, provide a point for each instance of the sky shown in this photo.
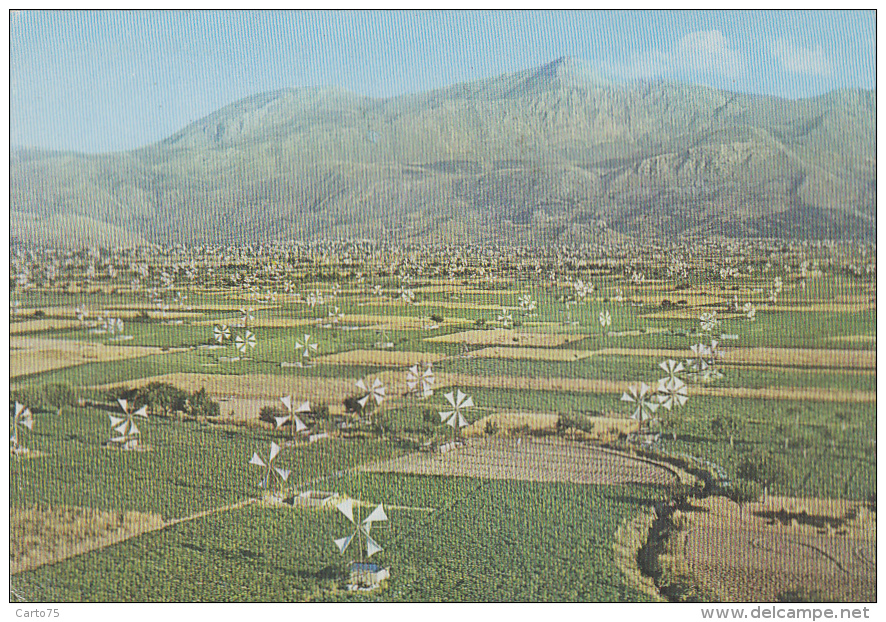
(116, 80)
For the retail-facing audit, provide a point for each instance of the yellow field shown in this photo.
(41, 536)
(391, 322)
(533, 354)
(388, 358)
(33, 326)
(509, 337)
(31, 355)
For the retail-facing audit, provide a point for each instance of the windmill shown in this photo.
(283, 474)
(23, 416)
(750, 311)
(713, 352)
(383, 343)
(221, 333)
(125, 426)
(420, 382)
(334, 316)
(113, 326)
(374, 391)
(362, 529)
(672, 390)
(699, 362)
(459, 402)
(297, 424)
(527, 304)
(642, 396)
(245, 342)
(307, 346)
(246, 316)
(709, 321)
(605, 319)
(505, 318)
(407, 295)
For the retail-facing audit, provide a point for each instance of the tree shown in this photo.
(727, 425)
(200, 405)
(763, 467)
(744, 491)
(161, 397)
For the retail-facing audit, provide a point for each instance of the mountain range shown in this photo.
(554, 154)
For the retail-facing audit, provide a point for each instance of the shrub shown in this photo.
(744, 491)
(200, 405)
(436, 318)
(161, 397)
(50, 396)
(267, 413)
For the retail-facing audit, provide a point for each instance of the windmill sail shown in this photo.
(346, 507)
(378, 514)
(342, 543)
(372, 547)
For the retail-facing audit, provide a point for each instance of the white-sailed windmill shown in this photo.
(292, 418)
(334, 316)
(362, 530)
(699, 361)
(644, 398)
(505, 318)
(221, 333)
(605, 319)
(407, 295)
(305, 347)
(125, 426)
(270, 470)
(420, 382)
(750, 311)
(527, 304)
(672, 390)
(459, 402)
(246, 316)
(374, 391)
(709, 321)
(246, 342)
(24, 417)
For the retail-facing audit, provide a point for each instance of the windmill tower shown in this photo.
(363, 574)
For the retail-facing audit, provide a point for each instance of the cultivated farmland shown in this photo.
(519, 420)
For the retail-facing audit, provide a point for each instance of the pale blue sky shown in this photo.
(104, 81)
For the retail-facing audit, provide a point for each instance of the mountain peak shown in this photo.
(572, 71)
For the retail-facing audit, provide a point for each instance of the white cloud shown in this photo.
(701, 53)
(798, 59)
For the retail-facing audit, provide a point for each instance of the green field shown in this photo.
(449, 539)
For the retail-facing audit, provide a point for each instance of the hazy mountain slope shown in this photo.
(549, 153)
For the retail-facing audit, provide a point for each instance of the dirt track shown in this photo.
(531, 460)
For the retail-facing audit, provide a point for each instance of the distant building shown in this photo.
(366, 575)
